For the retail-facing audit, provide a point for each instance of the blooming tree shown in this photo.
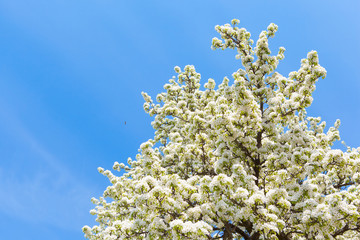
(238, 161)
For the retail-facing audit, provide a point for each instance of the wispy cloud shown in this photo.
(51, 194)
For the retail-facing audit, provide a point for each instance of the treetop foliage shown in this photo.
(238, 161)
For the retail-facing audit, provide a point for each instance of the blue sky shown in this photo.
(71, 74)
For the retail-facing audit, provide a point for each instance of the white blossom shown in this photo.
(240, 160)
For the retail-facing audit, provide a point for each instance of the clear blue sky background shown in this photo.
(71, 74)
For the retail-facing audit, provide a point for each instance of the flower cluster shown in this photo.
(240, 161)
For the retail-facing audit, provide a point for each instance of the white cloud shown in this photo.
(50, 194)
